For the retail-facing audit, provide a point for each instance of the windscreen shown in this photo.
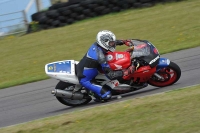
(140, 49)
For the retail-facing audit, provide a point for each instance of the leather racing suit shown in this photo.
(87, 69)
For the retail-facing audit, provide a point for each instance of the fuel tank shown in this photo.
(118, 60)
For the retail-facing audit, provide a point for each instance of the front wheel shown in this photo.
(70, 102)
(171, 75)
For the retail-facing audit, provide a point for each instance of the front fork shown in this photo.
(163, 62)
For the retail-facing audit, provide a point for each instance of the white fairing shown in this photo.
(65, 71)
(62, 70)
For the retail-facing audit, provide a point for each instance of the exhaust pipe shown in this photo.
(67, 94)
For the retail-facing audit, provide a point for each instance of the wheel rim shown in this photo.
(169, 75)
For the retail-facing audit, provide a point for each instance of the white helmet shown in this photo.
(106, 39)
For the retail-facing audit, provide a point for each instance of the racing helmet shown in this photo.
(106, 39)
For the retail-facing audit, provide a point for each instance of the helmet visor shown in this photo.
(112, 44)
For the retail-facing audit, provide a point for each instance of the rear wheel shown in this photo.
(69, 102)
(171, 75)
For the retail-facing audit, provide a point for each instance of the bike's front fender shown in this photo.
(163, 62)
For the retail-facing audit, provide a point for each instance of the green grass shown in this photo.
(171, 27)
(172, 112)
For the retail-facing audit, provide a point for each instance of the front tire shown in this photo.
(171, 75)
(69, 102)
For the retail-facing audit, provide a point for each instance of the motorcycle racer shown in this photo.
(95, 58)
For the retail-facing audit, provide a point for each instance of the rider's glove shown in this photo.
(128, 43)
(129, 70)
(122, 42)
(119, 42)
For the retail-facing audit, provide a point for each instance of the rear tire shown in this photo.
(69, 102)
(171, 74)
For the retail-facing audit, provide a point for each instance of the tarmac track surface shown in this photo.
(33, 101)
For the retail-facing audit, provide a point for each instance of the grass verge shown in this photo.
(171, 27)
(172, 112)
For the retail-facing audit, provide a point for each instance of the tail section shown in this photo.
(62, 70)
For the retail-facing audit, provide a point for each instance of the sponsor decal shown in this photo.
(64, 72)
(168, 61)
(149, 43)
(118, 67)
(60, 67)
(155, 51)
(140, 46)
(109, 57)
(145, 71)
(154, 60)
(163, 61)
(54, 67)
(50, 68)
(119, 56)
(115, 83)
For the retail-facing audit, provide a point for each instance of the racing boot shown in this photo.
(105, 95)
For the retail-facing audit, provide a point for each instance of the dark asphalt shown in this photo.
(33, 101)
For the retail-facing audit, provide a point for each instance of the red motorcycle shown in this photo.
(150, 69)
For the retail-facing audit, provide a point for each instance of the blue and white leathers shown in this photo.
(88, 68)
